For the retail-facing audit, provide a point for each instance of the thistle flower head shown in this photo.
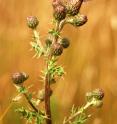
(95, 97)
(73, 7)
(32, 22)
(59, 12)
(19, 77)
(57, 49)
(65, 42)
(98, 94)
(78, 20)
(82, 19)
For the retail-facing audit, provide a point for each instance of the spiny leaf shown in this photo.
(54, 32)
(37, 48)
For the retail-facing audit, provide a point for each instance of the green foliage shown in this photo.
(77, 116)
(81, 119)
(54, 33)
(24, 90)
(30, 116)
(53, 69)
(37, 48)
(39, 119)
(73, 110)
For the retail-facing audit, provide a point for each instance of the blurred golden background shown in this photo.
(90, 62)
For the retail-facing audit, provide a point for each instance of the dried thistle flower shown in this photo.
(32, 22)
(19, 77)
(59, 12)
(57, 49)
(73, 7)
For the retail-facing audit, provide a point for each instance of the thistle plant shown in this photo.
(64, 12)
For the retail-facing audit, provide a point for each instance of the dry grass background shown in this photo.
(90, 62)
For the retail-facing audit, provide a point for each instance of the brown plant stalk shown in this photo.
(47, 99)
(59, 27)
(47, 87)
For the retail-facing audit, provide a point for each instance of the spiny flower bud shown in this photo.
(65, 42)
(59, 12)
(95, 97)
(19, 77)
(57, 49)
(78, 20)
(32, 22)
(73, 7)
(98, 94)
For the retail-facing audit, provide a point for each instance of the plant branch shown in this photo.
(26, 96)
(32, 105)
(29, 101)
(57, 30)
(77, 113)
(62, 23)
(47, 79)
